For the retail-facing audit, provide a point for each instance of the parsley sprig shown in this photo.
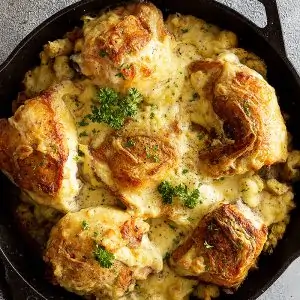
(113, 109)
(104, 257)
(168, 192)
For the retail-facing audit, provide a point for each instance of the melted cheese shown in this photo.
(169, 98)
(166, 285)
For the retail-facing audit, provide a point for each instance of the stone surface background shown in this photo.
(19, 17)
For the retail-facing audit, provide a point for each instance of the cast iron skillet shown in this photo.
(24, 271)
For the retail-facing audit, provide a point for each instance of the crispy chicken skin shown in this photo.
(37, 147)
(135, 160)
(253, 133)
(224, 246)
(124, 46)
(72, 246)
(132, 166)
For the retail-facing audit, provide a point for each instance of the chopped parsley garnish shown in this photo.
(195, 97)
(172, 226)
(200, 136)
(189, 199)
(85, 225)
(152, 115)
(54, 148)
(246, 108)
(207, 245)
(124, 71)
(83, 133)
(151, 153)
(167, 255)
(166, 191)
(129, 144)
(103, 257)
(184, 171)
(94, 131)
(80, 153)
(114, 109)
(103, 53)
(120, 75)
(83, 122)
(155, 158)
(184, 30)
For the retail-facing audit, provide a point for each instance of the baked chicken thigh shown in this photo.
(37, 149)
(224, 246)
(250, 129)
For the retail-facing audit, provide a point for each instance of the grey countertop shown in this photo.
(19, 17)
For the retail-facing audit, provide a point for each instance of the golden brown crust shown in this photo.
(113, 44)
(134, 160)
(133, 35)
(71, 250)
(31, 169)
(227, 243)
(34, 146)
(75, 267)
(248, 108)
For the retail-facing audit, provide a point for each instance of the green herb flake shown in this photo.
(167, 255)
(194, 97)
(167, 192)
(246, 107)
(192, 199)
(189, 199)
(184, 30)
(150, 153)
(155, 158)
(172, 226)
(129, 144)
(54, 148)
(80, 153)
(103, 257)
(152, 115)
(83, 122)
(83, 133)
(103, 53)
(114, 109)
(207, 245)
(184, 171)
(200, 136)
(85, 225)
(120, 75)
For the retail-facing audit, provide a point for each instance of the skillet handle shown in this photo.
(273, 31)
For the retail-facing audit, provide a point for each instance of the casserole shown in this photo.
(211, 12)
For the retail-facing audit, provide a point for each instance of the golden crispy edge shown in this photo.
(228, 259)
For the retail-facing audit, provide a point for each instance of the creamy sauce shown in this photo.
(179, 103)
(170, 99)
